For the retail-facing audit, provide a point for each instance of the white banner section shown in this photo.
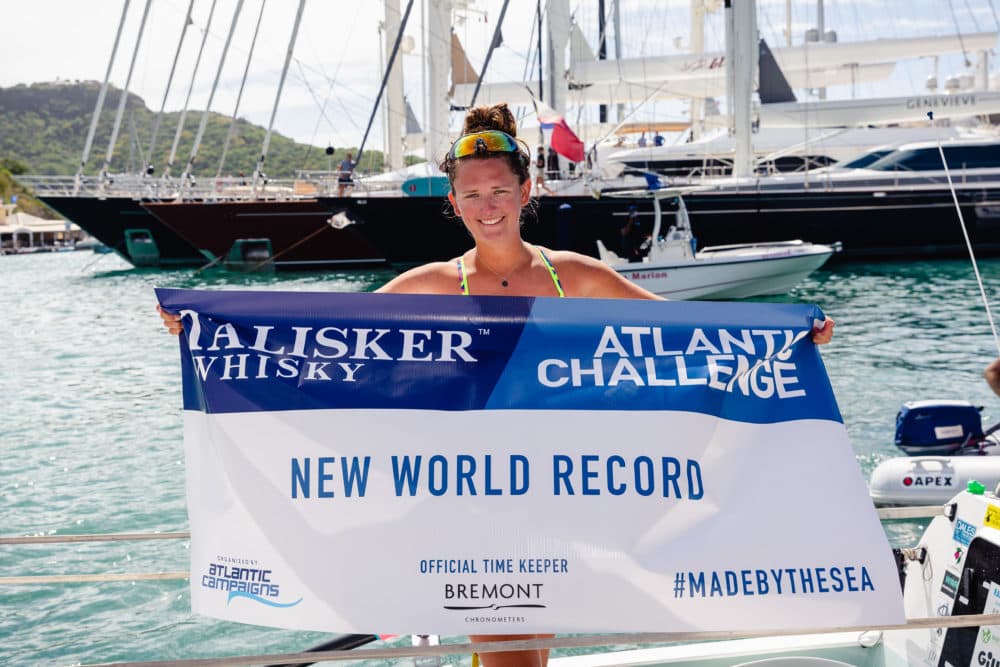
(374, 463)
(481, 522)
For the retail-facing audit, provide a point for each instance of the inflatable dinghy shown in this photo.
(930, 480)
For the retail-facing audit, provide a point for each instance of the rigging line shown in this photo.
(489, 54)
(99, 105)
(124, 94)
(331, 80)
(996, 21)
(258, 171)
(101, 256)
(322, 108)
(326, 225)
(958, 32)
(239, 95)
(189, 169)
(170, 78)
(968, 243)
(975, 23)
(187, 98)
(385, 76)
(541, 79)
(529, 56)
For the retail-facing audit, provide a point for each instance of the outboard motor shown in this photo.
(937, 427)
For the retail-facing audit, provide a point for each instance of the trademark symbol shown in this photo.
(484, 332)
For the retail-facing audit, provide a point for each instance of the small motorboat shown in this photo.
(674, 268)
(948, 449)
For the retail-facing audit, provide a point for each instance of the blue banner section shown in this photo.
(264, 351)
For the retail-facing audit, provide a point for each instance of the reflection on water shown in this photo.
(92, 439)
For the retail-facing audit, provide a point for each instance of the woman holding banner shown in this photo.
(489, 172)
(488, 169)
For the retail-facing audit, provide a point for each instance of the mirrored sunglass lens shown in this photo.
(494, 142)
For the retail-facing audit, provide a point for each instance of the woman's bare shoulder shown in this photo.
(584, 276)
(432, 278)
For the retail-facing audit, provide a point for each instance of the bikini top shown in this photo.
(463, 278)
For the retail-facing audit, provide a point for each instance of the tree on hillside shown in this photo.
(43, 127)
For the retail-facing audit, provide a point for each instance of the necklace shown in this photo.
(503, 281)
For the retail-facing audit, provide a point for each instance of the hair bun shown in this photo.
(496, 117)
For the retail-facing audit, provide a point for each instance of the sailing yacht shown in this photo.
(195, 225)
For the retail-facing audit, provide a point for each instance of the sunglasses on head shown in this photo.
(489, 141)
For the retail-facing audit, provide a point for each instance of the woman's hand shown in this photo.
(822, 335)
(171, 321)
(992, 375)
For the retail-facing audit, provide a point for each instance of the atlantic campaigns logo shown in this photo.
(244, 578)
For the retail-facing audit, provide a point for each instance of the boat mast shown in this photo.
(696, 105)
(258, 171)
(394, 109)
(821, 29)
(385, 77)
(438, 64)
(541, 76)
(99, 104)
(187, 99)
(559, 26)
(124, 95)
(741, 65)
(211, 95)
(170, 78)
(239, 95)
(616, 20)
(602, 54)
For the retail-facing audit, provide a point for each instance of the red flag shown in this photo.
(566, 143)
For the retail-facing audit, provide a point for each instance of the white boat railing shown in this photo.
(864, 636)
(308, 185)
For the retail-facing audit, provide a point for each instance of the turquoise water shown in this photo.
(90, 431)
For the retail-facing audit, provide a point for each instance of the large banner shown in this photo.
(477, 465)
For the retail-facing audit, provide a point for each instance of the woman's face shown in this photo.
(488, 197)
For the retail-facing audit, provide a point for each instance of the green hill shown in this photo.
(44, 126)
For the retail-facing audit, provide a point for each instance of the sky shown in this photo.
(338, 58)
